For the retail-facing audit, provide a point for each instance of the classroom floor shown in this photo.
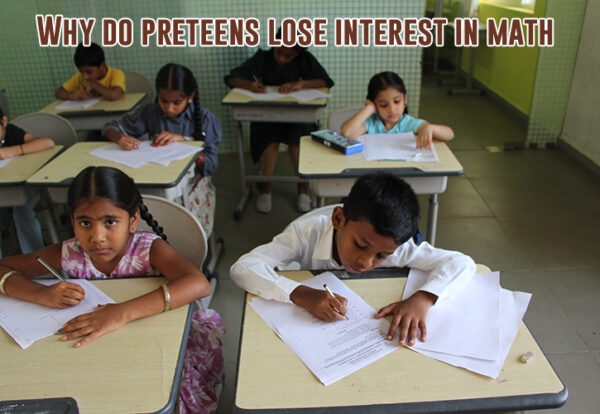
(532, 214)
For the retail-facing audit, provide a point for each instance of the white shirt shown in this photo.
(308, 240)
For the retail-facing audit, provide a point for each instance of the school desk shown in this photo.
(13, 191)
(134, 369)
(97, 115)
(163, 181)
(272, 379)
(288, 109)
(332, 174)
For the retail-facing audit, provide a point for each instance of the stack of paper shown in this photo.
(273, 93)
(475, 328)
(401, 147)
(84, 103)
(145, 153)
(27, 322)
(331, 350)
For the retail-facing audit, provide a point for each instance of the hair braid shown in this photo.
(199, 134)
(145, 214)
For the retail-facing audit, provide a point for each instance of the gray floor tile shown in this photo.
(580, 373)
(523, 197)
(461, 199)
(484, 240)
(544, 317)
(563, 242)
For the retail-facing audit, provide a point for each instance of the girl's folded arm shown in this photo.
(185, 283)
(355, 126)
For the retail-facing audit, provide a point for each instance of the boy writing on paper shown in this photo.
(95, 77)
(374, 227)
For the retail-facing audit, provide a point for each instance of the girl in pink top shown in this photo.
(105, 210)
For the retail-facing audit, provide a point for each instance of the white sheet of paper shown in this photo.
(28, 322)
(466, 324)
(269, 95)
(331, 350)
(4, 162)
(273, 93)
(307, 94)
(84, 103)
(145, 153)
(401, 147)
(177, 151)
(512, 308)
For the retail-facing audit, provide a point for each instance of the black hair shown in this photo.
(387, 202)
(1, 112)
(91, 55)
(382, 81)
(299, 49)
(175, 77)
(114, 185)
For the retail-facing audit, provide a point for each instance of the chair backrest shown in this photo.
(183, 230)
(338, 117)
(4, 102)
(48, 125)
(137, 82)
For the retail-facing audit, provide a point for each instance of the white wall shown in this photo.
(581, 128)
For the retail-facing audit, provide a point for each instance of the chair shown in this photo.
(4, 102)
(48, 125)
(136, 82)
(338, 117)
(184, 233)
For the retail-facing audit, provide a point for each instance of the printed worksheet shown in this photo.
(145, 153)
(82, 104)
(331, 350)
(272, 93)
(28, 322)
(401, 147)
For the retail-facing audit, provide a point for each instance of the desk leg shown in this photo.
(432, 218)
(245, 190)
(50, 225)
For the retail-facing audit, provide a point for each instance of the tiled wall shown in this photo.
(31, 73)
(554, 72)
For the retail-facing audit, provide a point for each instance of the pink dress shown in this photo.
(203, 364)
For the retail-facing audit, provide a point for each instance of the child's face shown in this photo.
(284, 55)
(173, 103)
(93, 73)
(390, 104)
(103, 230)
(359, 248)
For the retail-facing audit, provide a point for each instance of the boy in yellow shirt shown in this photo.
(94, 78)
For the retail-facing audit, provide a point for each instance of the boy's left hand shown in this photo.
(165, 138)
(409, 317)
(425, 137)
(105, 319)
(290, 86)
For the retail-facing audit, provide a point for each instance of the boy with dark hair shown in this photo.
(94, 78)
(373, 228)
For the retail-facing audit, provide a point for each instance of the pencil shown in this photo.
(331, 293)
(47, 266)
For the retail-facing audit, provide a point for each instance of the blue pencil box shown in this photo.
(336, 141)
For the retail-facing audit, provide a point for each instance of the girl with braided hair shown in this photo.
(105, 209)
(175, 116)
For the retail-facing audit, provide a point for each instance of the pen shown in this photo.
(331, 293)
(47, 266)
(255, 78)
(121, 128)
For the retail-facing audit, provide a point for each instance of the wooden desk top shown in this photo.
(123, 104)
(236, 98)
(60, 171)
(319, 161)
(18, 170)
(129, 370)
(271, 376)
